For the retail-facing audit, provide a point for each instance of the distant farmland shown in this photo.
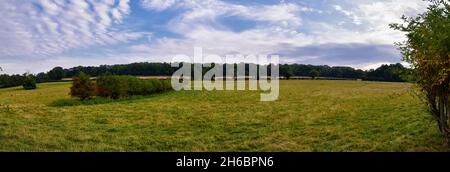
(310, 115)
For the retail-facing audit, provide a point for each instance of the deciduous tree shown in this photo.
(314, 73)
(427, 48)
(82, 87)
(56, 73)
(29, 82)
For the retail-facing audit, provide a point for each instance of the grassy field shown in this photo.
(309, 116)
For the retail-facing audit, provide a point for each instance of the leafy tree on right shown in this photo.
(427, 49)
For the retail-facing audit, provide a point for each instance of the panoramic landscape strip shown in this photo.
(208, 84)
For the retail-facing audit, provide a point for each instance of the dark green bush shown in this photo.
(82, 87)
(166, 85)
(115, 87)
(112, 86)
(29, 82)
(147, 87)
(134, 85)
(155, 85)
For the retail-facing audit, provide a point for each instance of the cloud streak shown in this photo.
(279, 32)
(45, 27)
(333, 32)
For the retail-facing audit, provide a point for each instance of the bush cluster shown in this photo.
(83, 87)
(29, 82)
(116, 86)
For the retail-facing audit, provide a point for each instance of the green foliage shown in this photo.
(42, 77)
(314, 73)
(135, 69)
(166, 85)
(134, 85)
(164, 69)
(11, 80)
(393, 72)
(56, 73)
(29, 82)
(82, 87)
(286, 71)
(115, 86)
(17, 80)
(428, 50)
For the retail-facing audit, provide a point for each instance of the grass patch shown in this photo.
(93, 101)
(99, 100)
(309, 116)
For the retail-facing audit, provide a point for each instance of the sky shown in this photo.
(37, 35)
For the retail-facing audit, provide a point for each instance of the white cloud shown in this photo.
(350, 14)
(157, 5)
(209, 10)
(223, 42)
(200, 27)
(375, 17)
(45, 64)
(45, 27)
(379, 14)
(367, 66)
(280, 31)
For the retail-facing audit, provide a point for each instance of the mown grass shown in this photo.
(309, 116)
(96, 101)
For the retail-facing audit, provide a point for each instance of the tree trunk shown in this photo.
(444, 112)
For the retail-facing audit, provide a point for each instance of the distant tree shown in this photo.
(392, 72)
(286, 71)
(82, 87)
(29, 82)
(314, 73)
(56, 73)
(384, 73)
(408, 75)
(42, 77)
(427, 50)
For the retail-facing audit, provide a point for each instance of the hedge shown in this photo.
(116, 86)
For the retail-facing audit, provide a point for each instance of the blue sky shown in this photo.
(36, 35)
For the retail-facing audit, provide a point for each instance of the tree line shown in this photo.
(387, 72)
(56, 74)
(391, 72)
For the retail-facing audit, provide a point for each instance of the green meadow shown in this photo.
(310, 115)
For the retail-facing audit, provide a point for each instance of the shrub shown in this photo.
(29, 82)
(166, 84)
(134, 85)
(115, 87)
(155, 85)
(56, 73)
(112, 86)
(427, 50)
(147, 87)
(82, 87)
